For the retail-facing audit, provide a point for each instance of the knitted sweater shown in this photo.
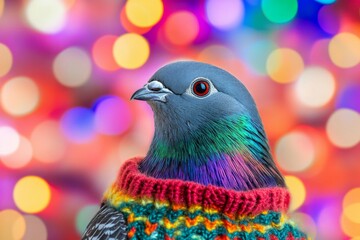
(175, 209)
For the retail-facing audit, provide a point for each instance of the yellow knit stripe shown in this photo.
(115, 197)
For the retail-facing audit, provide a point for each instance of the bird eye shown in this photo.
(201, 88)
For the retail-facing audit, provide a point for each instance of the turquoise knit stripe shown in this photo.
(156, 215)
(200, 232)
(173, 215)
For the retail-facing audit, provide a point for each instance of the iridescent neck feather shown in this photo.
(232, 153)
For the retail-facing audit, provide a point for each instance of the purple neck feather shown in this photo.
(231, 153)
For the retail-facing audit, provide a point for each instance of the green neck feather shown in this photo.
(232, 152)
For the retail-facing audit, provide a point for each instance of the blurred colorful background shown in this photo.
(69, 67)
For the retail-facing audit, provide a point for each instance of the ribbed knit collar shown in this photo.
(183, 193)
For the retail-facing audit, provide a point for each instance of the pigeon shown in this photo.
(208, 173)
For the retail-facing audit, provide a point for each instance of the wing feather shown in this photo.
(108, 224)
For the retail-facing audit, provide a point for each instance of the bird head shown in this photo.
(206, 122)
(187, 95)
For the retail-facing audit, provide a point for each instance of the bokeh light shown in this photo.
(351, 197)
(112, 116)
(78, 125)
(12, 225)
(256, 53)
(21, 156)
(350, 228)
(343, 128)
(352, 212)
(46, 16)
(102, 53)
(20, 96)
(351, 205)
(279, 11)
(83, 216)
(2, 4)
(315, 87)
(328, 19)
(35, 228)
(131, 51)
(295, 152)
(72, 67)
(224, 15)
(32, 194)
(48, 142)
(6, 58)
(129, 26)
(297, 191)
(325, 219)
(144, 13)
(284, 65)
(176, 33)
(326, 1)
(344, 50)
(9, 140)
(348, 97)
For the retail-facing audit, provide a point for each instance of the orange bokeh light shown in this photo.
(102, 53)
(181, 28)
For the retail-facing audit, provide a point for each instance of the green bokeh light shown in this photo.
(84, 216)
(326, 1)
(279, 11)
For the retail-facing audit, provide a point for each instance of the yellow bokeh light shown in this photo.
(295, 152)
(35, 228)
(352, 212)
(315, 87)
(9, 140)
(46, 16)
(284, 65)
(2, 3)
(6, 58)
(21, 156)
(349, 227)
(144, 13)
(69, 3)
(12, 225)
(344, 50)
(343, 128)
(20, 96)
(351, 197)
(297, 192)
(32, 194)
(131, 51)
(48, 143)
(72, 67)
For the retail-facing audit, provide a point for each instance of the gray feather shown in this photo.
(108, 224)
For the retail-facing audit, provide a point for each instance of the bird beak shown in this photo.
(152, 91)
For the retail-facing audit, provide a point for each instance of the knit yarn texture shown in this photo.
(175, 209)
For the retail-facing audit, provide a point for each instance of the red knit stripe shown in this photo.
(178, 192)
